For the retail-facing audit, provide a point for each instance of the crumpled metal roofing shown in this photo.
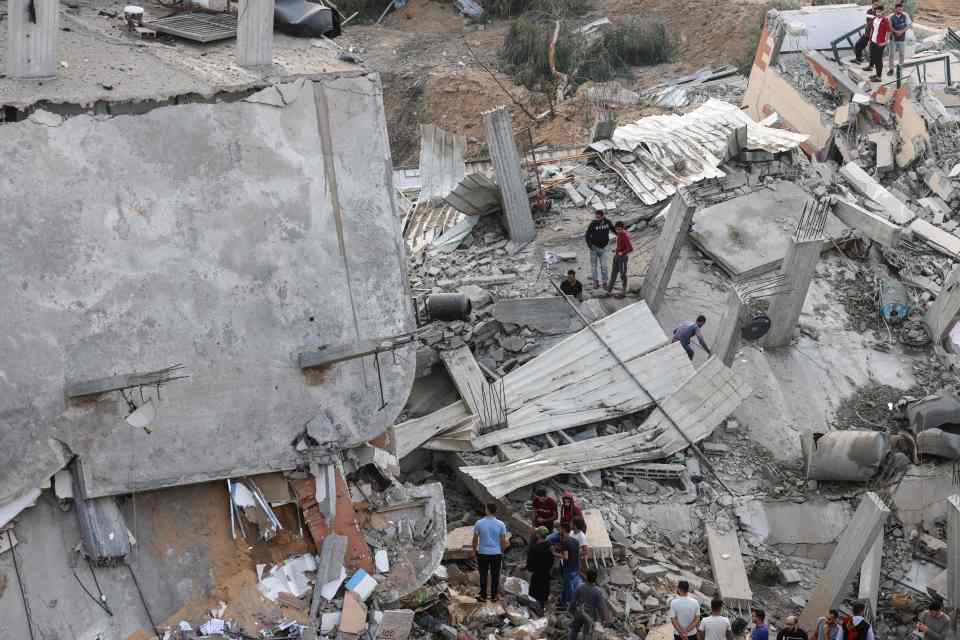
(674, 151)
(441, 161)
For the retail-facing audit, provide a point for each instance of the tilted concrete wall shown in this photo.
(226, 237)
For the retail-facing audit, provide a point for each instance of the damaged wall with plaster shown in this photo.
(224, 237)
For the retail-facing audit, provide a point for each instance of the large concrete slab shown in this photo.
(809, 529)
(953, 550)
(748, 236)
(728, 569)
(676, 222)
(852, 549)
(227, 238)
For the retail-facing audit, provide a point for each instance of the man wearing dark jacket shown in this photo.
(598, 237)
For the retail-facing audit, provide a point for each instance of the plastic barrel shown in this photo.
(893, 301)
(449, 306)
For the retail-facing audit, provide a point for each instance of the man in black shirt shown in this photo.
(571, 286)
(791, 630)
(597, 237)
(588, 606)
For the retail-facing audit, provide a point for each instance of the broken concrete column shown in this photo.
(875, 227)
(727, 341)
(847, 558)
(944, 309)
(32, 31)
(869, 588)
(506, 162)
(799, 265)
(953, 551)
(676, 222)
(255, 33)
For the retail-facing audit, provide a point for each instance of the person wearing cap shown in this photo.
(597, 238)
(540, 565)
(900, 23)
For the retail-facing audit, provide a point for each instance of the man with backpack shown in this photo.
(855, 627)
(588, 606)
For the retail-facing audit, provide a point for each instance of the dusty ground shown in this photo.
(432, 64)
(939, 13)
(195, 521)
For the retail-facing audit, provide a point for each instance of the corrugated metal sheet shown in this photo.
(476, 195)
(674, 151)
(577, 382)
(698, 406)
(441, 161)
(428, 222)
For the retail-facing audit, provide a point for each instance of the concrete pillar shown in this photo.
(799, 265)
(945, 307)
(32, 38)
(676, 222)
(870, 577)
(510, 175)
(727, 340)
(953, 553)
(847, 558)
(255, 33)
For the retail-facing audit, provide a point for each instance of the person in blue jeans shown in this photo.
(567, 550)
(489, 543)
(597, 238)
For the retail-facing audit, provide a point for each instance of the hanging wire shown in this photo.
(23, 593)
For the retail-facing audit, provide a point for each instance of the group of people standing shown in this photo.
(581, 596)
(597, 238)
(883, 32)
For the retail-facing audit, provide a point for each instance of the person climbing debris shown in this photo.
(685, 333)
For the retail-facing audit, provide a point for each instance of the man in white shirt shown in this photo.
(684, 613)
(716, 626)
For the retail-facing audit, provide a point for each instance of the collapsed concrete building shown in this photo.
(175, 250)
(248, 390)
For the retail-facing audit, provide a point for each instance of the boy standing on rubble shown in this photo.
(828, 627)
(598, 237)
(544, 510)
(623, 251)
(489, 543)
(934, 624)
(856, 627)
(567, 550)
(716, 626)
(864, 39)
(588, 607)
(880, 32)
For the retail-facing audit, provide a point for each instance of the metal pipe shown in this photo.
(691, 443)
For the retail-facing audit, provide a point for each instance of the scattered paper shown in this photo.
(329, 590)
(382, 561)
(213, 627)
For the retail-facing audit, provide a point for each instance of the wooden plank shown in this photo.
(467, 377)
(409, 435)
(459, 544)
(729, 572)
(599, 545)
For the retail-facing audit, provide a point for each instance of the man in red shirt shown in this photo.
(879, 35)
(569, 509)
(544, 509)
(624, 248)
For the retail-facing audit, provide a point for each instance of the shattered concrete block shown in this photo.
(791, 576)
(651, 602)
(396, 625)
(353, 616)
(940, 184)
(651, 571)
(620, 576)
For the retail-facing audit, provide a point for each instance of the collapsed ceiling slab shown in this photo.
(697, 406)
(226, 238)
